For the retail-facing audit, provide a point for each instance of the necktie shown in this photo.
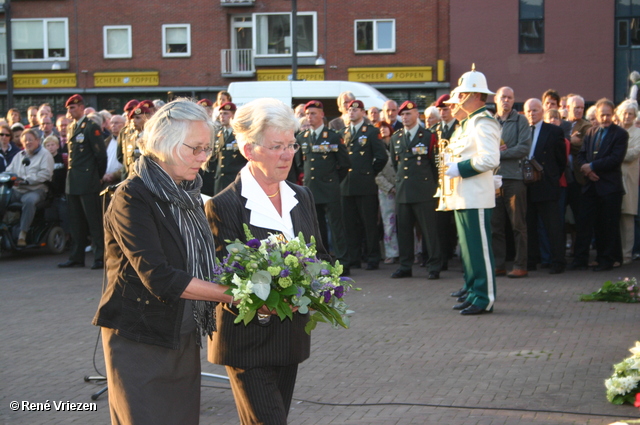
(446, 128)
(596, 145)
(353, 130)
(533, 141)
(313, 136)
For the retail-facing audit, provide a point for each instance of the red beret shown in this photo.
(313, 104)
(228, 106)
(440, 103)
(205, 102)
(408, 105)
(356, 104)
(131, 105)
(138, 110)
(146, 104)
(74, 100)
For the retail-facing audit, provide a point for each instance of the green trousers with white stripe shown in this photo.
(474, 233)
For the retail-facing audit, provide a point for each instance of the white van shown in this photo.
(295, 92)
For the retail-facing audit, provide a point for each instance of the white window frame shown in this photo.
(105, 30)
(45, 33)
(376, 49)
(166, 54)
(256, 29)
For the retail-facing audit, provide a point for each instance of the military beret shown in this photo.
(408, 105)
(440, 103)
(356, 104)
(147, 104)
(228, 106)
(74, 100)
(131, 105)
(313, 104)
(138, 110)
(205, 102)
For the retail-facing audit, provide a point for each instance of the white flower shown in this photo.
(636, 350)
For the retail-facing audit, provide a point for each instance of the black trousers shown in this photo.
(263, 394)
(360, 216)
(602, 215)
(424, 214)
(85, 218)
(332, 212)
(553, 226)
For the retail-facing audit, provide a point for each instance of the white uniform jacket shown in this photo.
(475, 146)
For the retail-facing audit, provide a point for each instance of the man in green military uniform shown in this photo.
(226, 160)
(87, 165)
(131, 150)
(416, 183)
(367, 156)
(325, 160)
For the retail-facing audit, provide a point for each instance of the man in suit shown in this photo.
(445, 219)
(551, 100)
(390, 114)
(599, 160)
(226, 161)
(548, 149)
(87, 165)
(368, 157)
(416, 183)
(325, 161)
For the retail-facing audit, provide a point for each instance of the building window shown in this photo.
(40, 39)
(272, 35)
(531, 37)
(117, 41)
(375, 36)
(176, 40)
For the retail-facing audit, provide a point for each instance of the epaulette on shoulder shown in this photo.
(398, 131)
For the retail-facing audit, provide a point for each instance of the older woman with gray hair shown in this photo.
(159, 250)
(627, 112)
(262, 357)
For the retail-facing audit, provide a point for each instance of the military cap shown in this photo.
(138, 110)
(356, 104)
(228, 106)
(313, 104)
(408, 105)
(440, 103)
(205, 102)
(131, 105)
(146, 103)
(74, 100)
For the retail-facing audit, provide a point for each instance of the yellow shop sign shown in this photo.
(283, 74)
(30, 81)
(124, 79)
(391, 75)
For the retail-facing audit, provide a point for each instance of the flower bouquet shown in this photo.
(623, 291)
(284, 275)
(623, 387)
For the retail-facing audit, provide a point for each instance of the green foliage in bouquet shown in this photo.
(622, 386)
(624, 291)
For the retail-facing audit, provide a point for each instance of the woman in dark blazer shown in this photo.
(159, 250)
(262, 357)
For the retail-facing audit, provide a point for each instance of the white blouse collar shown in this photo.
(263, 213)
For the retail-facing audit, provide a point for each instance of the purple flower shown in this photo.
(284, 273)
(237, 265)
(286, 254)
(253, 243)
(327, 296)
(325, 272)
(339, 291)
(300, 292)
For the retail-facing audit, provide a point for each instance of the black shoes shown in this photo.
(462, 298)
(70, 263)
(459, 293)
(398, 274)
(433, 275)
(556, 270)
(473, 310)
(602, 268)
(98, 264)
(462, 306)
(372, 266)
(574, 266)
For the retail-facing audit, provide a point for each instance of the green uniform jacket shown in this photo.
(368, 157)
(416, 173)
(325, 163)
(87, 158)
(224, 164)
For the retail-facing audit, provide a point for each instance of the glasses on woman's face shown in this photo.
(5, 135)
(279, 149)
(198, 150)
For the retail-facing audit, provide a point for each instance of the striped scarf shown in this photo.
(186, 207)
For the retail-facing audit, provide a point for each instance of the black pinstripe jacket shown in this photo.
(277, 343)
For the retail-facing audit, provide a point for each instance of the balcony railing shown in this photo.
(235, 3)
(3, 67)
(237, 63)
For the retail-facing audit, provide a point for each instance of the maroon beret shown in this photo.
(74, 100)
(440, 103)
(228, 106)
(138, 110)
(205, 102)
(146, 104)
(131, 105)
(313, 104)
(356, 104)
(408, 105)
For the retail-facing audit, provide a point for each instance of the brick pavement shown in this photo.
(408, 358)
